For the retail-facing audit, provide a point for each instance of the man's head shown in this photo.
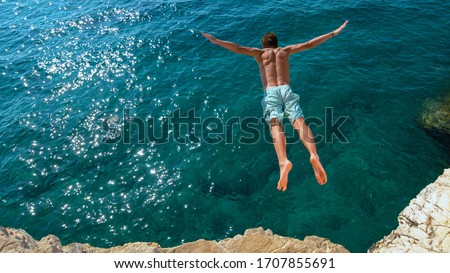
(269, 40)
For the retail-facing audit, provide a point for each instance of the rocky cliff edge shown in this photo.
(255, 240)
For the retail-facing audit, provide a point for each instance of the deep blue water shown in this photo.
(66, 67)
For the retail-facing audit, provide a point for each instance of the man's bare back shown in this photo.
(273, 62)
(274, 67)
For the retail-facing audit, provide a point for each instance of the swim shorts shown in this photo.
(280, 101)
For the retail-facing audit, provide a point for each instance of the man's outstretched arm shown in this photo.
(249, 51)
(314, 42)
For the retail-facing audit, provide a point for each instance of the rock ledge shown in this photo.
(256, 240)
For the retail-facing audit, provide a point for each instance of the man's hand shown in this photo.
(210, 37)
(339, 30)
(291, 49)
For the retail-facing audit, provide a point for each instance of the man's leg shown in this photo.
(307, 138)
(279, 142)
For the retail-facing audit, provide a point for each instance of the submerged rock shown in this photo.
(435, 115)
(255, 240)
(424, 226)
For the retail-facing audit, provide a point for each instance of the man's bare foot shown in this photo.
(321, 176)
(284, 172)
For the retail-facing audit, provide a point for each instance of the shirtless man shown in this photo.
(279, 100)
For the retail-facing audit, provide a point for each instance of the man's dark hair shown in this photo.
(269, 40)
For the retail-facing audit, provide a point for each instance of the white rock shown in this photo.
(424, 226)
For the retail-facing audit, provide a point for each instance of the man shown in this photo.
(279, 100)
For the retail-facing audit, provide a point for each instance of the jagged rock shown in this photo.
(76, 248)
(126, 248)
(16, 240)
(49, 244)
(200, 246)
(424, 226)
(254, 240)
(136, 248)
(258, 240)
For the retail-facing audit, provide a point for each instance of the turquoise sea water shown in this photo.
(67, 66)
